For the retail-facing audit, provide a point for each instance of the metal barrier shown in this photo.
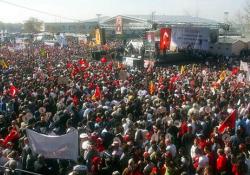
(16, 171)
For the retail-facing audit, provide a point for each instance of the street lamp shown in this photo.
(98, 18)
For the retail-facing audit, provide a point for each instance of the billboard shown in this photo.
(150, 36)
(118, 25)
(190, 38)
(165, 38)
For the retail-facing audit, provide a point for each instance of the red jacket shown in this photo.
(221, 163)
(183, 129)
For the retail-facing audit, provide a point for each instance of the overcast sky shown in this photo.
(86, 9)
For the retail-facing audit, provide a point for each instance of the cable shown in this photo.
(38, 11)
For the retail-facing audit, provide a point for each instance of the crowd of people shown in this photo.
(150, 121)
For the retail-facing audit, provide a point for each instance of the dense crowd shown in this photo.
(150, 121)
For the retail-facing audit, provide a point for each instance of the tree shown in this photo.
(2, 26)
(52, 28)
(33, 25)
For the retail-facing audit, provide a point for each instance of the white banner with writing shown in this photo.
(54, 147)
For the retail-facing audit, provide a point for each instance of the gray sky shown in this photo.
(86, 9)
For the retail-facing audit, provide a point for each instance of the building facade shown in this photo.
(228, 46)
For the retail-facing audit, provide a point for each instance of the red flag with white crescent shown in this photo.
(165, 38)
(228, 122)
(13, 91)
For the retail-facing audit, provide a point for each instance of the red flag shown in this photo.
(235, 71)
(12, 136)
(69, 65)
(81, 62)
(75, 100)
(228, 122)
(165, 38)
(174, 79)
(97, 95)
(13, 91)
(75, 71)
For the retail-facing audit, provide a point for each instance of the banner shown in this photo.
(54, 147)
(97, 36)
(150, 36)
(165, 38)
(61, 39)
(190, 38)
(118, 25)
(243, 66)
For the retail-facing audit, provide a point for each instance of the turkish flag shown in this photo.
(81, 62)
(235, 71)
(228, 122)
(13, 91)
(165, 38)
(97, 95)
(12, 136)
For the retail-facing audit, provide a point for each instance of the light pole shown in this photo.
(153, 15)
(98, 18)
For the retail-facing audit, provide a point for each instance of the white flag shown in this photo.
(55, 147)
(248, 75)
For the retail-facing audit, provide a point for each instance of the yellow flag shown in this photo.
(223, 75)
(4, 64)
(43, 52)
(97, 36)
(183, 69)
(151, 88)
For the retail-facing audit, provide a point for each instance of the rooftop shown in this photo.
(233, 39)
(102, 18)
(171, 19)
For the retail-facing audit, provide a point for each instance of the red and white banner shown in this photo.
(165, 38)
(118, 25)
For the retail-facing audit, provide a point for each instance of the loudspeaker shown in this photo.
(98, 55)
(103, 36)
